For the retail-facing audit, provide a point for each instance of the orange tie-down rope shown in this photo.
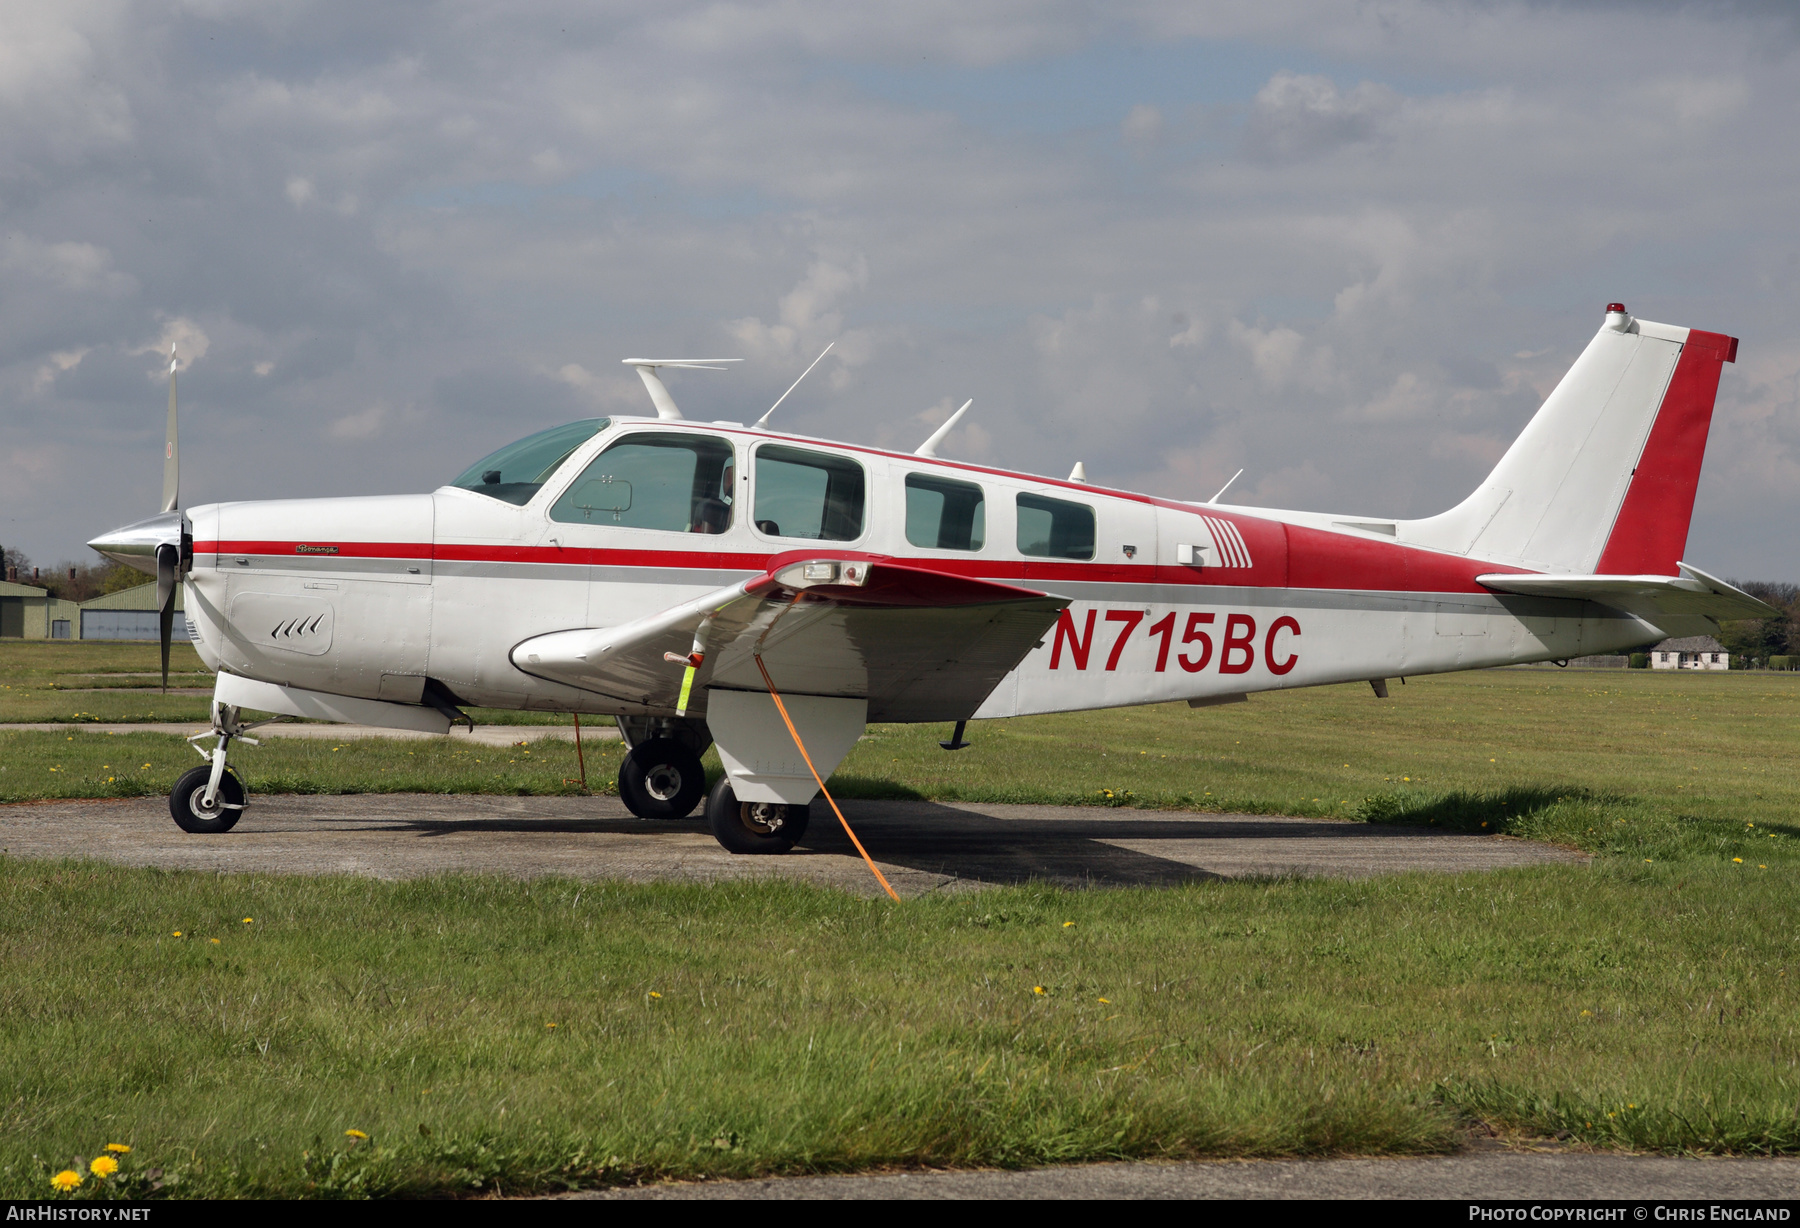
(782, 708)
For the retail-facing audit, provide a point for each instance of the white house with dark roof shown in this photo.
(1690, 652)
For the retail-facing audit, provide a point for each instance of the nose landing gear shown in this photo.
(210, 799)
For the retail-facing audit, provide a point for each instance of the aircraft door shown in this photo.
(657, 516)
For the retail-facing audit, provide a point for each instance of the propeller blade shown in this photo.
(168, 563)
(171, 496)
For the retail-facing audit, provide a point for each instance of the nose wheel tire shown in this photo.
(661, 779)
(753, 827)
(191, 814)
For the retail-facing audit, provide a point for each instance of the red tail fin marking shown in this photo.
(1650, 534)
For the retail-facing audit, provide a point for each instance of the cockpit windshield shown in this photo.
(519, 470)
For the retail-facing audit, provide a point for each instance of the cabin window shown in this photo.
(677, 482)
(519, 470)
(808, 494)
(944, 515)
(1055, 529)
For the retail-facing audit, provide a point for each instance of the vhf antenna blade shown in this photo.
(1234, 477)
(758, 424)
(929, 447)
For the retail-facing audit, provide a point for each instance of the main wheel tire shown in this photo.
(191, 816)
(753, 827)
(661, 779)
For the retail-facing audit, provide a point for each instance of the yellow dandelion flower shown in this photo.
(1737, 860)
(66, 1180)
(654, 994)
(549, 1025)
(214, 941)
(177, 933)
(1067, 924)
(355, 1134)
(248, 920)
(104, 1166)
(1040, 991)
(119, 1149)
(1586, 1014)
(1104, 1001)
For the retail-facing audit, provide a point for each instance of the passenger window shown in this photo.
(677, 482)
(944, 515)
(1054, 529)
(808, 494)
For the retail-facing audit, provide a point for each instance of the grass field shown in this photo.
(1646, 1001)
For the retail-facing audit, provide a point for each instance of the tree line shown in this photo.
(72, 581)
(1755, 640)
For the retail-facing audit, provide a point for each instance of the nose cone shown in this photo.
(135, 544)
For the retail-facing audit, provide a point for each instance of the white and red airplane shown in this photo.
(674, 573)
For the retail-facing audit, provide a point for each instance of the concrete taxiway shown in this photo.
(921, 846)
(1513, 1175)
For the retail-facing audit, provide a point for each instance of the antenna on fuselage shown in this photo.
(1234, 477)
(1078, 473)
(758, 424)
(659, 392)
(929, 447)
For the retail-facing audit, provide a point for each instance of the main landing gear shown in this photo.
(661, 777)
(753, 827)
(210, 799)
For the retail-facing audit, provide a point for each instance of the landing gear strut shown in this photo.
(210, 799)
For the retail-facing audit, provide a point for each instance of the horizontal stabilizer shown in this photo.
(1692, 594)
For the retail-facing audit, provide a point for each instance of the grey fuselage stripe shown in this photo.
(1343, 600)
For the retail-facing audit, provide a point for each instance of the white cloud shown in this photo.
(62, 360)
(364, 424)
(1298, 116)
(77, 267)
(808, 318)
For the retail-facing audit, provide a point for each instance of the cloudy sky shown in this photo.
(1348, 247)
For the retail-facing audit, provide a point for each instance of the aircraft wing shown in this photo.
(1656, 599)
(919, 645)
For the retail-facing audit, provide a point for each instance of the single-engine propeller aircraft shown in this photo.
(673, 574)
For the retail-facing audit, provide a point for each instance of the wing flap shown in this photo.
(1692, 594)
(919, 645)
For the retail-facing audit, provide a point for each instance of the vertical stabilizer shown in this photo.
(1603, 477)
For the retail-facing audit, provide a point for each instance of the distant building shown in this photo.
(29, 613)
(130, 614)
(1690, 652)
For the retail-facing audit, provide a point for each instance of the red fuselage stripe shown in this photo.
(1313, 559)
